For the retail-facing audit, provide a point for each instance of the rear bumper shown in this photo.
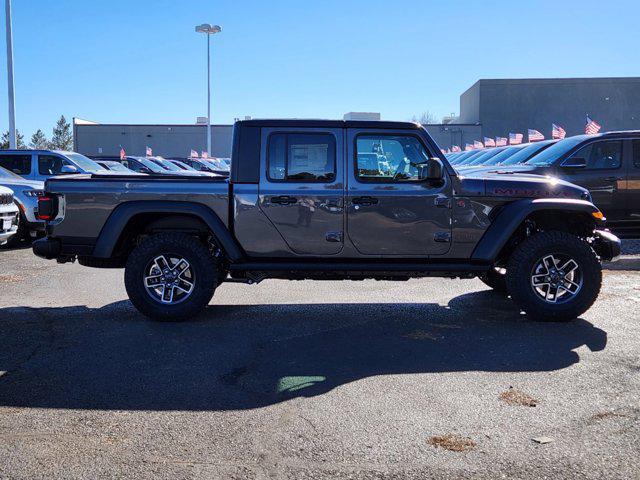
(607, 245)
(48, 248)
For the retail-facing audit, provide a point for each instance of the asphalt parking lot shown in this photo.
(419, 379)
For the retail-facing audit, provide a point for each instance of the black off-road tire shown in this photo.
(525, 257)
(497, 281)
(198, 256)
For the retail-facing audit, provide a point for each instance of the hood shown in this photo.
(518, 184)
(21, 184)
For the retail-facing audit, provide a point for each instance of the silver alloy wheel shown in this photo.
(169, 279)
(556, 278)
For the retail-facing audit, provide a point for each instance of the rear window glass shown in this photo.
(18, 164)
(302, 157)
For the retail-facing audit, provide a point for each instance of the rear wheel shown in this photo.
(554, 276)
(170, 277)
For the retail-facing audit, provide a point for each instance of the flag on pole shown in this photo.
(193, 154)
(444, 152)
(592, 127)
(515, 138)
(149, 152)
(123, 154)
(535, 135)
(478, 145)
(468, 147)
(205, 154)
(501, 141)
(489, 142)
(557, 132)
(456, 149)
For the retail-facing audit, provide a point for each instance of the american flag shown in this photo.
(205, 154)
(501, 141)
(535, 135)
(478, 145)
(557, 132)
(123, 154)
(515, 138)
(443, 151)
(468, 147)
(489, 142)
(455, 149)
(193, 154)
(149, 152)
(592, 127)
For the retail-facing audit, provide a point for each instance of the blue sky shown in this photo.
(140, 61)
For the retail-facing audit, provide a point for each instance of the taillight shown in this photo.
(47, 207)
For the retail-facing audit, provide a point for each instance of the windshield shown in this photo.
(116, 167)
(551, 154)
(183, 165)
(4, 173)
(527, 152)
(85, 163)
(485, 156)
(166, 164)
(503, 155)
(469, 158)
(151, 165)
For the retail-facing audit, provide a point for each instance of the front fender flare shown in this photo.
(115, 224)
(512, 216)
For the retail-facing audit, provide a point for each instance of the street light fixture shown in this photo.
(209, 30)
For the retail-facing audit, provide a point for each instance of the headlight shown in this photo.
(33, 193)
(587, 196)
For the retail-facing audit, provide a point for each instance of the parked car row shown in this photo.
(607, 164)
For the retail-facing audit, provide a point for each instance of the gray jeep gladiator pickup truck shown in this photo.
(321, 199)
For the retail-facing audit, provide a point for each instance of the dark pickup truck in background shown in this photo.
(314, 199)
(607, 164)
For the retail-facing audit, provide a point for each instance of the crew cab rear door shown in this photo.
(390, 210)
(301, 187)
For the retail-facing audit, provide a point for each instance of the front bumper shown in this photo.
(607, 245)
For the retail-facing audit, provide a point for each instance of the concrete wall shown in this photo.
(516, 105)
(165, 140)
(450, 134)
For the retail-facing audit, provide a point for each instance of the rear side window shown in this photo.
(18, 164)
(50, 164)
(298, 157)
(601, 155)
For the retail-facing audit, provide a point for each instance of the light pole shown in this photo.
(12, 106)
(209, 30)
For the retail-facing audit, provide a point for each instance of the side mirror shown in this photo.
(432, 170)
(68, 169)
(574, 162)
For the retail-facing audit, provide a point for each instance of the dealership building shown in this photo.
(489, 108)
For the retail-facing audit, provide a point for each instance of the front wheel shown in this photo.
(170, 277)
(554, 276)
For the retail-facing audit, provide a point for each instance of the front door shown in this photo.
(603, 176)
(302, 188)
(391, 211)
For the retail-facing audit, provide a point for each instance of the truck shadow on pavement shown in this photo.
(240, 357)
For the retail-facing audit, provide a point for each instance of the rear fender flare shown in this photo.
(511, 217)
(122, 214)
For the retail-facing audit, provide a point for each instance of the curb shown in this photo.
(625, 262)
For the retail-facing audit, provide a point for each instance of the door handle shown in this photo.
(364, 201)
(613, 179)
(284, 200)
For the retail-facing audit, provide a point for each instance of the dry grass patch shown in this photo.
(517, 398)
(452, 442)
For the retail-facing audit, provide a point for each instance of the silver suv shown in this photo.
(42, 164)
(25, 196)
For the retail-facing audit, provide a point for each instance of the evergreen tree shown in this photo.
(62, 138)
(4, 141)
(39, 141)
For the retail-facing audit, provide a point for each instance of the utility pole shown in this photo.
(12, 106)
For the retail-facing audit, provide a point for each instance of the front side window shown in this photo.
(18, 164)
(601, 155)
(51, 164)
(302, 157)
(389, 158)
